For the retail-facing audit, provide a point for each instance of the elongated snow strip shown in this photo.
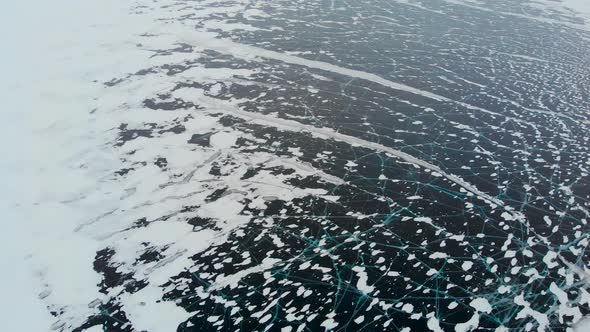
(216, 105)
(330, 133)
(248, 52)
(577, 26)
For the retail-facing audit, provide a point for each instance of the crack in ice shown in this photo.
(290, 125)
(249, 52)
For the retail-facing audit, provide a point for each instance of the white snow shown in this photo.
(527, 311)
(466, 266)
(223, 140)
(582, 6)
(481, 305)
(583, 325)
(469, 325)
(36, 89)
(329, 324)
(438, 255)
(362, 282)
(433, 324)
(408, 308)
(148, 314)
(232, 280)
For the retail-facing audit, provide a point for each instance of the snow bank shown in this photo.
(43, 51)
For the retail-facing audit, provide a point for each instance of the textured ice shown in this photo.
(253, 165)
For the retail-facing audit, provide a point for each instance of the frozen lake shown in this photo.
(254, 165)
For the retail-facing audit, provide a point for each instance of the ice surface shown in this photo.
(293, 165)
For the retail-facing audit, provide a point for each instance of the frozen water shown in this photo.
(296, 165)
